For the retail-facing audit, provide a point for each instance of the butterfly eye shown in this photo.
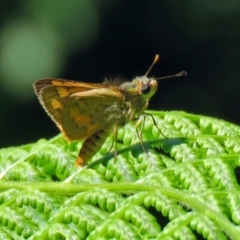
(145, 88)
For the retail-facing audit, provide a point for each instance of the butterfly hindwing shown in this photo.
(85, 113)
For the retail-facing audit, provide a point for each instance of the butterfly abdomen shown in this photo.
(91, 145)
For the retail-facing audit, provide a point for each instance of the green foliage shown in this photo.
(182, 186)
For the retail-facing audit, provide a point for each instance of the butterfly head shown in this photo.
(145, 86)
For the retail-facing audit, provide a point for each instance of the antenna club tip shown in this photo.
(154, 61)
(157, 57)
(182, 74)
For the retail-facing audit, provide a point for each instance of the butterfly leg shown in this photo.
(114, 139)
(155, 123)
(139, 133)
(114, 142)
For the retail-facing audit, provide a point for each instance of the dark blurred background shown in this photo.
(88, 40)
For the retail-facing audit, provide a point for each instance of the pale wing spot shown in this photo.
(80, 119)
(52, 104)
(72, 114)
(56, 104)
(76, 119)
(63, 92)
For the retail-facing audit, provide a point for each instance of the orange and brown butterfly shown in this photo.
(91, 112)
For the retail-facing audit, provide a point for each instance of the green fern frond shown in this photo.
(182, 185)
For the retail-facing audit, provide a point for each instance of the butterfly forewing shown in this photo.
(53, 93)
(66, 84)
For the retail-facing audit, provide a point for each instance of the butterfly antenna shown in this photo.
(181, 74)
(157, 57)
